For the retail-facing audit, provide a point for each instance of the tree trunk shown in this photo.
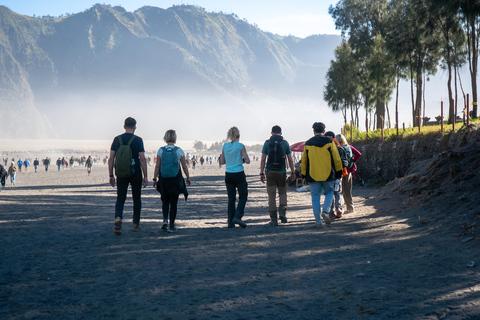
(380, 111)
(411, 93)
(396, 105)
(418, 100)
(473, 61)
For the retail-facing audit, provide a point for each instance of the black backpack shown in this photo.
(276, 153)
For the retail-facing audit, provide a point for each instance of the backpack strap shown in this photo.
(131, 140)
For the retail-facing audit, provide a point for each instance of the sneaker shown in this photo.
(118, 226)
(165, 225)
(283, 218)
(326, 218)
(239, 222)
(136, 227)
(318, 224)
(339, 214)
(349, 211)
(273, 223)
(172, 229)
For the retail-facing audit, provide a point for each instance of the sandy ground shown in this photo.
(61, 260)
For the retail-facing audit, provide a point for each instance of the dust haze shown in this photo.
(194, 117)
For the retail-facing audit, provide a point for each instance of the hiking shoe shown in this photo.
(239, 222)
(273, 223)
(326, 218)
(136, 227)
(172, 229)
(165, 225)
(283, 218)
(118, 226)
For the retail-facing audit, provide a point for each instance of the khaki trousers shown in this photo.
(347, 184)
(276, 179)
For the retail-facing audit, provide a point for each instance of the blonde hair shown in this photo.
(341, 139)
(233, 134)
(170, 136)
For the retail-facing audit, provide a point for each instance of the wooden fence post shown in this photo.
(441, 120)
(454, 114)
(468, 110)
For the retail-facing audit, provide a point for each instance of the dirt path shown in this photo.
(61, 259)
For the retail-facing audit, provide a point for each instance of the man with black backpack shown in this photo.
(127, 155)
(275, 152)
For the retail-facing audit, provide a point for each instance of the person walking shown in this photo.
(336, 210)
(127, 155)
(89, 164)
(46, 163)
(12, 172)
(275, 152)
(321, 165)
(3, 173)
(20, 164)
(347, 180)
(233, 156)
(170, 180)
(26, 163)
(35, 164)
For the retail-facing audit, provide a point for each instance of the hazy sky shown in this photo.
(300, 18)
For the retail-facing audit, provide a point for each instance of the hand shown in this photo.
(112, 182)
(188, 182)
(155, 184)
(262, 178)
(292, 176)
(144, 182)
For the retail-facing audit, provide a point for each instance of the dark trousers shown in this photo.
(236, 181)
(122, 186)
(169, 207)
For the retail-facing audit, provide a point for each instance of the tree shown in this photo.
(341, 90)
(412, 37)
(199, 146)
(364, 21)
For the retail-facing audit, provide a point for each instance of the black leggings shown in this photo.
(169, 205)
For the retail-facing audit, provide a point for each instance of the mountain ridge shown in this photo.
(106, 51)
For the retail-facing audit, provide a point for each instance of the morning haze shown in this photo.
(78, 77)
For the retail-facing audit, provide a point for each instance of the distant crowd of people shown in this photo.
(12, 166)
(327, 165)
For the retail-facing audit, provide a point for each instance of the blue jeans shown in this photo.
(236, 181)
(316, 192)
(12, 178)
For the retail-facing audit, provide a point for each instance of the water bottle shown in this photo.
(132, 168)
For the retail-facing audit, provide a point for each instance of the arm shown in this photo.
(245, 155)
(156, 171)
(110, 168)
(143, 164)
(185, 169)
(304, 162)
(292, 166)
(222, 158)
(356, 154)
(262, 167)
